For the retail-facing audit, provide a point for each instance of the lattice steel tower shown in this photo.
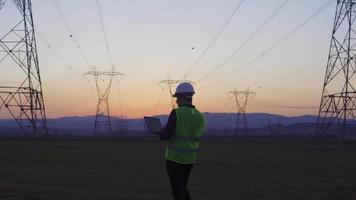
(338, 100)
(23, 97)
(102, 124)
(242, 98)
(171, 83)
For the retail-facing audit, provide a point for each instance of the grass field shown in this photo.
(135, 169)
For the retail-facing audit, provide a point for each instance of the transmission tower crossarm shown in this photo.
(103, 73)
(170, 82)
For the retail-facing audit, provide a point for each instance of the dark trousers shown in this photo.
(178, 177)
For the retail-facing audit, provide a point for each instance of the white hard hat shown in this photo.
(184, 88)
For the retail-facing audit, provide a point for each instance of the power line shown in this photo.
(100, 13)
(119, 115)
(76, 43)
(272, 47)
(57, 55)
(70, 32)
(119, 94)
(248, 40)
(49, 46)
(225, 104)
(211, 43)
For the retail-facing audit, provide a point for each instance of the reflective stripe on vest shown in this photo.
(181, 149)
(186, 138)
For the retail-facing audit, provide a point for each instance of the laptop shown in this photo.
(153, 124)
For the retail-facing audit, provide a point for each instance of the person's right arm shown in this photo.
(168, 130)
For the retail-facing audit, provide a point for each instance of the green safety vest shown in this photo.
(183, 145)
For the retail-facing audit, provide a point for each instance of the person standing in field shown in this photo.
(183, 131)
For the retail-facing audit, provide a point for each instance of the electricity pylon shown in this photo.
(242, 98)
(171, 83)
(22, 98)
(338, 99)
(102, 122)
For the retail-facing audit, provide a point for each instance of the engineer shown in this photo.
(183, 131)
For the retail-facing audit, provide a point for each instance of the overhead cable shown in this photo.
(60, 58)
(57, 55)
(100, 13)
(119, 96)
(70, 32)
(249, 39)
(211, 43)
(272, 47)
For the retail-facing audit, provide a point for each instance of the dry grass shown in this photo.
(135, 169)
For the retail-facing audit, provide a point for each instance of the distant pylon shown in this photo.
(22, 98)
(242, 98)
(102, 122)
(171, 83)
(337, 109)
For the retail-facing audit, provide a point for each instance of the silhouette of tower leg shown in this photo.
(338, 99)
(237, 125)
(102, 117)
(245, 125)
(18, 50)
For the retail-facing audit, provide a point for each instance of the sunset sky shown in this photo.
(149, 39)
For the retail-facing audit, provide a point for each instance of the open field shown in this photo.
(135, 169)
